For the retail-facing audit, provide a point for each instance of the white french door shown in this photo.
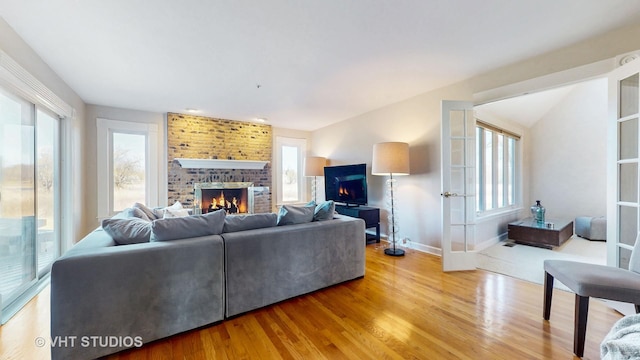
(458, 185)
(623, 175)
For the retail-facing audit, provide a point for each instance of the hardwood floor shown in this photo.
(404, 308)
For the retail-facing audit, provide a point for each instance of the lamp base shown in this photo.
(394, 252)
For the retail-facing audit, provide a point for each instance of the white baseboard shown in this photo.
(488, 243)
(421, 247)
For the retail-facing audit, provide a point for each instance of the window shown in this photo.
(128, 170)
(127, 165)
(289, 181)
(496, 163)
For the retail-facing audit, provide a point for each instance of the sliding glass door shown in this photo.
(17, 197)
(29, 195)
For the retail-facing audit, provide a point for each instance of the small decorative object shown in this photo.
(537, 211)
(314, 166)
(391, 158)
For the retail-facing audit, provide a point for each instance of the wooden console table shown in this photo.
(552, 233)
(370, 215)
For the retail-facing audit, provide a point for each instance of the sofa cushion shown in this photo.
(160, 212)
(148, 211)
(188, 227)
(233, 223)
(128, 231)
(131, 213)
(290, 214)
(324, 211)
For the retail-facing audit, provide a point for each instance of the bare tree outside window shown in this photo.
(129, 168)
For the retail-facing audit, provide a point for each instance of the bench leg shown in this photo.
(580, 324)
(548, 292)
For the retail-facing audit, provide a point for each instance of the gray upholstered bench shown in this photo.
(592, 228)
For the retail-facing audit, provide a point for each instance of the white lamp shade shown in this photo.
(390, 158)
(314, 166)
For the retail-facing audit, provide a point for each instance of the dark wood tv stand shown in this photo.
(370, 215)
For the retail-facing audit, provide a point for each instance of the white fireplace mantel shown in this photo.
(220, 164)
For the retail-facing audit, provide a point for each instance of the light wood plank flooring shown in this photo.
(404, 308)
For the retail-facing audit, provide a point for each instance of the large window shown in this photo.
(496, 163)
(290, 154)
(127, 165)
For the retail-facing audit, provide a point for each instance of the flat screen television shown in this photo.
(346, 184)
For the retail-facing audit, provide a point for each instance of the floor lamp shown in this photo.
(314, 166)
(391, 158)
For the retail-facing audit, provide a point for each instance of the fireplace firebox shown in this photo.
(233, 197)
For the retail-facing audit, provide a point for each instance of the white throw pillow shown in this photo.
(161, 213)
(174, 213)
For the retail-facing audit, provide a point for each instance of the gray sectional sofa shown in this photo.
(107, 297)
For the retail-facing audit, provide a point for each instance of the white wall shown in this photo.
(568, 154)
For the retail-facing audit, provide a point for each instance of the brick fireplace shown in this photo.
(232, 143)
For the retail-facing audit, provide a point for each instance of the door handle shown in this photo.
(448, 194)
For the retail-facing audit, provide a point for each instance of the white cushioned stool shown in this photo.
(592, 228)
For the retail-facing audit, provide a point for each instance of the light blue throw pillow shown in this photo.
(324, 211)
(128, 231)
(290, 214)
(188, 226)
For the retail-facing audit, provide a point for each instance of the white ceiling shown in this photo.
(301, 64)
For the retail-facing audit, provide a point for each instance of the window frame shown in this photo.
(301, 145)
(105, 129)
(510, 179)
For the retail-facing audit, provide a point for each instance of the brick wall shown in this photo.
(199, 137)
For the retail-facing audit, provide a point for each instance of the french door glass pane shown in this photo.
(479, 170)
(290, 173)
(17, 197)
(47, 175)
(628, 224)
(628, 139)
(629, 96)
(129, 170)
(624, 256)
(457, 123)
(500, 166)
(488, 169)
(628, 174)
(511, 171)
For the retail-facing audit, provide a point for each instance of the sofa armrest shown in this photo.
(143, 291)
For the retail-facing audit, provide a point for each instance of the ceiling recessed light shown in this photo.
(261, 119)
(192, 111)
